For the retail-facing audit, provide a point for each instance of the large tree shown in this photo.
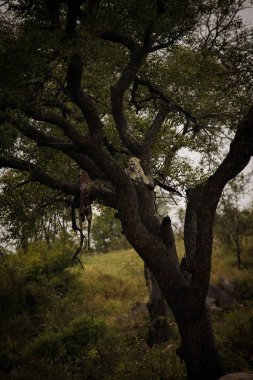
(89, 84)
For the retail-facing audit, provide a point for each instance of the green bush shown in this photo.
(85, 349)
(235, 339)
(38, 292)
(71, 341)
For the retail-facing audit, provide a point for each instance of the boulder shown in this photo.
(222, 298)
(237, 376)
(210, 301)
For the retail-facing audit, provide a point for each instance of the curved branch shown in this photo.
(66, 148)
(62, 123)
(37, 174)
(241, 150)
(117, 100)
(83, 101)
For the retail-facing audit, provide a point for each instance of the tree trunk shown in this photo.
(198, 347)
(159, 330)
(238, 244)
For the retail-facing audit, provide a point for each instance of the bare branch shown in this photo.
(167, 187)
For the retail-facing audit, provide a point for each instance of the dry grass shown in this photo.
(114, 282)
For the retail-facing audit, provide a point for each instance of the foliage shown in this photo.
(30, 212)
(236, 340)
(107, 232)
(38, 291)
(234, 221)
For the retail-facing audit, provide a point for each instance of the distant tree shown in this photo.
(234, 222)
(107, 232)
(30, 212)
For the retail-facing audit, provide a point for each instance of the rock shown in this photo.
(237, 376)
(216, 308)
(210, 301)
(169, 347)
(227, 285)
(222, 298)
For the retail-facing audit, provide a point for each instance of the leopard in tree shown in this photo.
(135, 171)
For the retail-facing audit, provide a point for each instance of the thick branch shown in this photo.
(83, 101)
(241, 150)
(37, 174)
(104, 192)
(117, 100)
(62, 123)
(101, 190)
(65, 147)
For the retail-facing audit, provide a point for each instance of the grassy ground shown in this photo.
(113, 283)
(49, 310)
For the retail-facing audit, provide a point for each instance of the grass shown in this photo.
(107, 289)
(113, 282)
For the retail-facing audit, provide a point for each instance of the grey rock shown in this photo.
(210, 301)
(222, 298)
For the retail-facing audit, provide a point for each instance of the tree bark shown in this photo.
(159, 330)
(197, 345)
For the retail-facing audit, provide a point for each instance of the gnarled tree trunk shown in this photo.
(159, 330)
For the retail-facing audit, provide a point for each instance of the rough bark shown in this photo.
(159, 330)
(198, 347)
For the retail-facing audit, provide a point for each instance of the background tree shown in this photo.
(30, 212)
(234, 220)
(107, 232)
(89, 84)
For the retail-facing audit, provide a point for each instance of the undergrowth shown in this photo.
(61, 322)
